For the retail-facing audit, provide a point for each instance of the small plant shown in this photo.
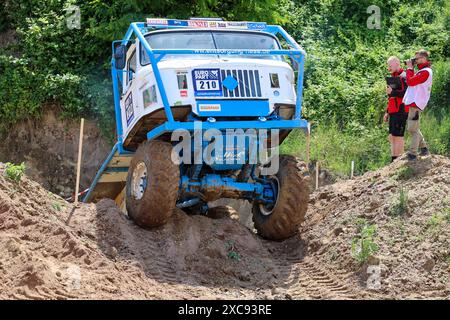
(56, 206)
(401, 207)
(232, 253)
(360, 223)
(363, 245)
(14, 172)
(434, 221)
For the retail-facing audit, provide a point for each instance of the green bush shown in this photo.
(436, 130)
(440, 94)
(70, 67)
(336, 149)
(344, 88)
(14, 172)
(363, 244)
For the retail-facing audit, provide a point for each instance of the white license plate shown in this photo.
(207, 82)
(207, 85)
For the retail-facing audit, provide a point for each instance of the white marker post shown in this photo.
(308, 143)
(80, 149)
(352, 169)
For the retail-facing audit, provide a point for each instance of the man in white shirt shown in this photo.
(416, 99)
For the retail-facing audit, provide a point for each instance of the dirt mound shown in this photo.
(49, 250)
(408, 206)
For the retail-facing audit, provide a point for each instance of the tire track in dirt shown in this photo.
(304, 278)
(144, 247)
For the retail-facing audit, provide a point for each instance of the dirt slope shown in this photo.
(414, 243)
(49, 146)
(49, 251)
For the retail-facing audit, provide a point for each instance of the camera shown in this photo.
(413, 61)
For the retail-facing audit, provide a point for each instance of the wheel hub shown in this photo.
(139, 181)
(268, 208)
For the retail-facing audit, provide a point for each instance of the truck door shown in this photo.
(128, 101)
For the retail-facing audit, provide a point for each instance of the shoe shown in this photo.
(424, 151)
(412, 157)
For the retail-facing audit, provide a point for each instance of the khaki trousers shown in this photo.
(413, 127)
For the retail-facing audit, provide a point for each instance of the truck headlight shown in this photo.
(274, 81)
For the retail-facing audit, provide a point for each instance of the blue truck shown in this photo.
(201, 106)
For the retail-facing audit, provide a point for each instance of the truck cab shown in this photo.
(229, 88)
(204, 86)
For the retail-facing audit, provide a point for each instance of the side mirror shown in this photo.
(120, 56)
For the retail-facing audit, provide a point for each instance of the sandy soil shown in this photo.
(48, 250)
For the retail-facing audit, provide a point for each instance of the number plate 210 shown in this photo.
(207, 82)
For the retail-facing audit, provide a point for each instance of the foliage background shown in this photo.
(344, 94)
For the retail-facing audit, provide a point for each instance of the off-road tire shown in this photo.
(159, 199)
(292, 203)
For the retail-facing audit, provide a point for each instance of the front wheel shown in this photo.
(152, 184)
(291, 188)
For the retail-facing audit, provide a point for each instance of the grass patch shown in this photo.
(436, 221)
(56, 206)
(336, 147)
(14, 172)
(436, 130)
(363, 244)
(400, 207)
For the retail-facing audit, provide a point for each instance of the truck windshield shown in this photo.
(210, 40)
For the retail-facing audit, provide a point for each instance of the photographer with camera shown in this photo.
(396, 113)
(416, 99)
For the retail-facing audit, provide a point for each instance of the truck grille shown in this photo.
(249, 85)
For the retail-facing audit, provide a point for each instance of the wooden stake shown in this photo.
(80, 149)
(352, 170)
(317, 175)
(308, 143)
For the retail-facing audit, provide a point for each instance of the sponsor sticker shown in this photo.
(179, 23)
(256, 25)
(197, 23)
(207, 82)
(129, 110)
(237, 24)
(221, 24)
(209, 107)
(212, 24)
(162, 22)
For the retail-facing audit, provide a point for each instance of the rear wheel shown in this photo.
(152, 184)
(282, 219)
